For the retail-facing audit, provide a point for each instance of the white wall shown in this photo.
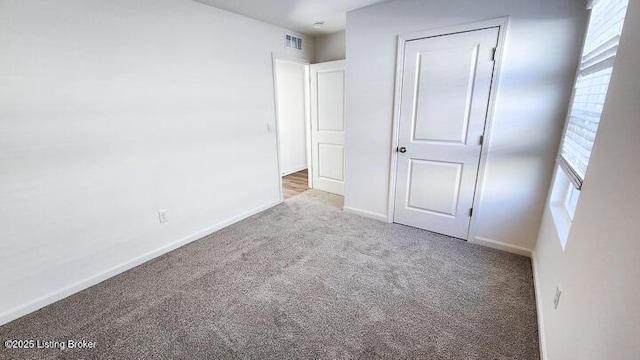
(292, 115)
(330, 47)
(598, 315)
(539, 62)
(113, 110)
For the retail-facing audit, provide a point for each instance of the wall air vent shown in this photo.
(292, 41)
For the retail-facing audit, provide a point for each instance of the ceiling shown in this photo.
(297, 15)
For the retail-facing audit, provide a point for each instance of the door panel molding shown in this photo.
(331, 150)
(427, 205)
(502, 24)
(334, 104)
(430, 65)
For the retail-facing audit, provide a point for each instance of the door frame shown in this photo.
(502, 24)
(307, 120)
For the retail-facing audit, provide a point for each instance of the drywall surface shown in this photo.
(598, 315)
(292, 116)
(539, 61)
(330, 47)
(113, 110)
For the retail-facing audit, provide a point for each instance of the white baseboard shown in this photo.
(364, 213)
(536, 287)
(39, 303)
(295, 170)
(536, 282)
(501, 246)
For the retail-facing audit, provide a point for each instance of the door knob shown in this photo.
(402, 149)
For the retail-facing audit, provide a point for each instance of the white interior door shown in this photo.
(445, 94)
(327, 126)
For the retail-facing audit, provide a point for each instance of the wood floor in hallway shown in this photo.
(294, 184)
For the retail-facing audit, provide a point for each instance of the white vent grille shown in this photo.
(292, 41)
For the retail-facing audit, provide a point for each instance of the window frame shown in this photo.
(567, 184)
(573, 175)
(561, 210)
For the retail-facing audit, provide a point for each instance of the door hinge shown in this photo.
(481, 141)
(470, 212)
(493, 54)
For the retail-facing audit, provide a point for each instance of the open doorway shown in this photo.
(310, 112)
(292, 109)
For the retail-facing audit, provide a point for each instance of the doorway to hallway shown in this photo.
(295, 184)
(310, 118)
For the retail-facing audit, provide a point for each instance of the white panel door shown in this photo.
(327, 126)
(445, 94)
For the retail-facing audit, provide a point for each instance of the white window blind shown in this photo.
(590, 90)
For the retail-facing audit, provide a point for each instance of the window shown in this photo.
(571, 201)
(589, 95)
(562, 203)
(591, 85)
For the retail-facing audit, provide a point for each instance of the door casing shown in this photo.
(402, 39)
(307, 119)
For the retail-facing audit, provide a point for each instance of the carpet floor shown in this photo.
(301, 280)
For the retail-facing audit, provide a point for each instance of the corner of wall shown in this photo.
(514, 249)
(365, 213)
(330, 47)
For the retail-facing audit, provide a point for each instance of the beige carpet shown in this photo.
(302, 280)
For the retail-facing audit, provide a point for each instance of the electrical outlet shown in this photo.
(162, 216)
(556, 297)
